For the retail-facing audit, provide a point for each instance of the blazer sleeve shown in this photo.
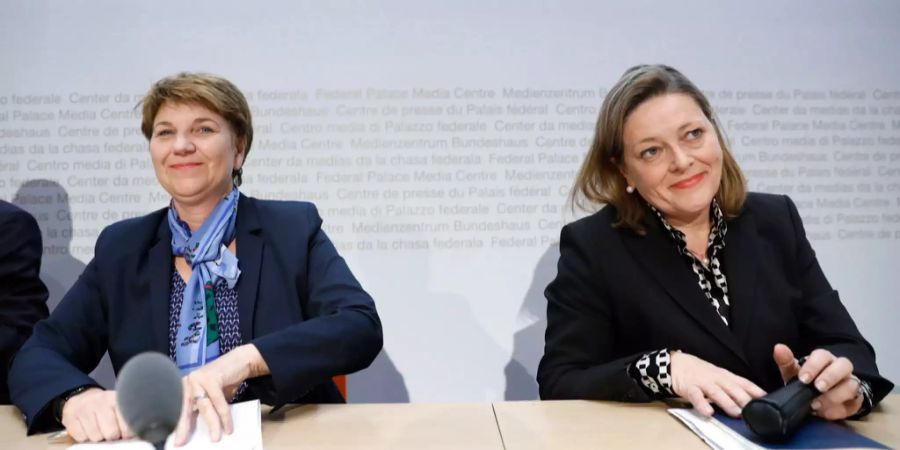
(824, 321)
(580, 359)
(23, 296)
(61, 351)
(341, 333)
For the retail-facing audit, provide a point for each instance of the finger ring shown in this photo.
(859, 386)
(200, 397)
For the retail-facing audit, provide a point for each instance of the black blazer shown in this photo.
(618, 295)
(23, 296)
(297, 302)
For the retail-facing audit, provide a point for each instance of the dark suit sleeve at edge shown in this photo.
(824, 320)
(342, 333)
(23, 295)
(61, 351)
(579, 360)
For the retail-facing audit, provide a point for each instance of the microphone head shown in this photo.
(149, 395)
(766, 420)
(776, 416)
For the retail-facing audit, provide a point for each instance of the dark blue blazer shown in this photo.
(298, 303)
(23, 296)
(618, 295)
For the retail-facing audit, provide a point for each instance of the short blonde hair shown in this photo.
(599, 180)
(210, 91)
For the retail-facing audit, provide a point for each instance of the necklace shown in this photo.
(703, 259)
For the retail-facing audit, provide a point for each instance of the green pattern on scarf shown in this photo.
(212, 320)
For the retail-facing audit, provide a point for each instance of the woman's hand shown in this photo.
(831, 375)
(702, 383)
(208, 390)
(93, 416)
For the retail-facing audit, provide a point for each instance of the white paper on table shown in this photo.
(247, 434)
(714, 433)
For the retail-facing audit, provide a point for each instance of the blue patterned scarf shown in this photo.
(206, 250)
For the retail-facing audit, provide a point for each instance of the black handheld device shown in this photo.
(776, 416)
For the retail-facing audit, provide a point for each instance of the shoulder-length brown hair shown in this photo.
(599, 180)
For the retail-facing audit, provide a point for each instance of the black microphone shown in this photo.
(149, 395)
(776, 416)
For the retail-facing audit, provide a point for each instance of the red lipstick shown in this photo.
(689, 182)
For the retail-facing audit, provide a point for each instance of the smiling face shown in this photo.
(672, 156)
(194, 152)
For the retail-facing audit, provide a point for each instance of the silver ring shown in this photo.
(200, 397)
(859, 387)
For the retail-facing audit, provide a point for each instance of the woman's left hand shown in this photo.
(208, 390)
(831, 375)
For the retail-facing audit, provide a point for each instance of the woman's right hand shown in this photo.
(702, 383)
(93, 416)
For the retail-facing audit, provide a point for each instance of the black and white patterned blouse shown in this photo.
(709, 271)
(653, 370)
(226, 311)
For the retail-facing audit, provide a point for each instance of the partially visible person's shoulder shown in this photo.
(17, 223)
(6, 207)
(9, 211)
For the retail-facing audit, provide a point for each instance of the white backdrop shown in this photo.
(440, 140)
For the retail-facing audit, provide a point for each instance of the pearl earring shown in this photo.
(629, 189)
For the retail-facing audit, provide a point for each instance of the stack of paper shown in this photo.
(723, 432)
(247, 434)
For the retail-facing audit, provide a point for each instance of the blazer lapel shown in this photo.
(741, 261)
(249, 253)
(659, 256)
(159, 271)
